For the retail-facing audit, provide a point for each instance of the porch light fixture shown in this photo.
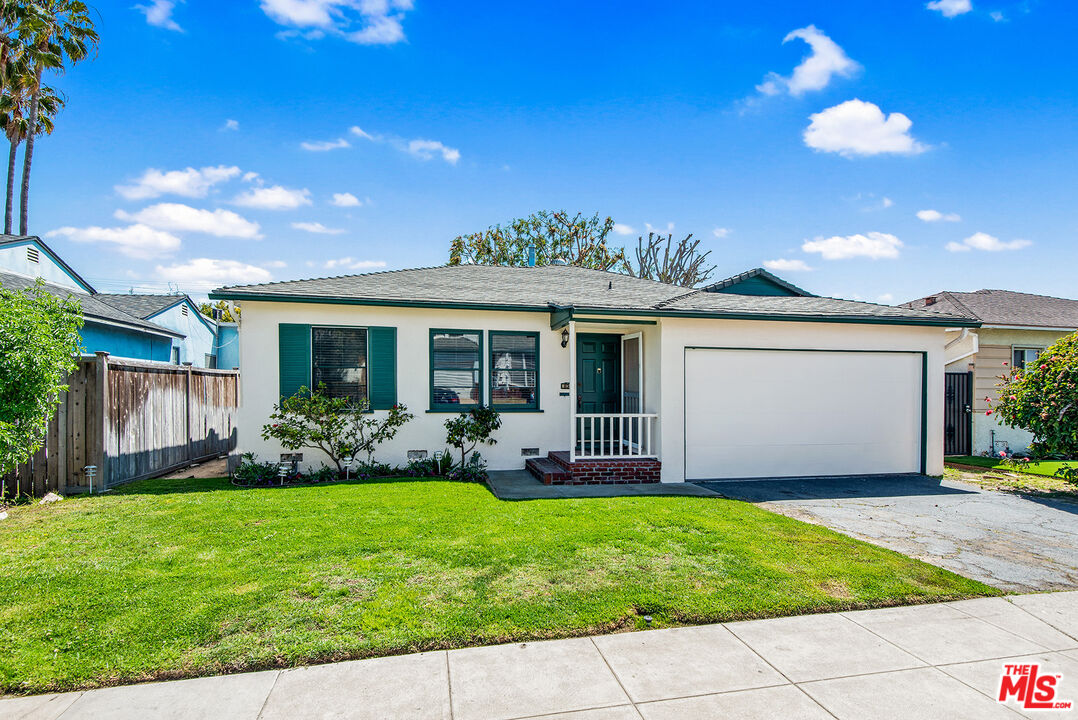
(565, 337)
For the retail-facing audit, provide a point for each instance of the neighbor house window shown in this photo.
(514, 370)
(456, 369)
(1022, 356)
(339, 360)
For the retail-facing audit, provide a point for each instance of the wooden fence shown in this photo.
(131, 419)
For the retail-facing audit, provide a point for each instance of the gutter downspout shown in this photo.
(976, 345)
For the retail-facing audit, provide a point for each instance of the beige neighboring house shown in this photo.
(1015, 328)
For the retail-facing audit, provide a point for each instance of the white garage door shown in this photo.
(790, 413)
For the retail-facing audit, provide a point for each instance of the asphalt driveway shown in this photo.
(1012, 542)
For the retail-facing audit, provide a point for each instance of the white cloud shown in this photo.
(997, 16)
(325, 145)
(231, 124)
(188, 182)
(623, 229)
(275, 264)
(136, 241)
(856, 127)
(874, 245)
(159, 14)
(658, 230)
(274, 197)
(380, 30)
(366, 22)
(205, 274)
(345, 200)
(419, 147)
(888, 202)
(184, 218)
(721, 232)
(347, 263)
(886, 298)
(825, 61)
(786, 265)
(360, 132)
(317, 228)
(987, 243)
(950, 8)
(936, 216)
(427, 149)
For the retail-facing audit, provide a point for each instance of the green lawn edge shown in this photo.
(174, 579)
(1046, 469)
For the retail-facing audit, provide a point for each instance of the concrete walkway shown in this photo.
(921, 662)
(522, 485)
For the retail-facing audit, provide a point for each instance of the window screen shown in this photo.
(455, 368)
(339, 359)
(514, 370)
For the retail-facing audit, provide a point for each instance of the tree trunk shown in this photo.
(28, 155)
(9, 208)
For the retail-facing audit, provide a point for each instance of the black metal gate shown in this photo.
(958, 413)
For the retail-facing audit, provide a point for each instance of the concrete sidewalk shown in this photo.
(928, 661)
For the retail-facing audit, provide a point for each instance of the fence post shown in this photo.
(102, 404)
(188, 406)
(61, 440)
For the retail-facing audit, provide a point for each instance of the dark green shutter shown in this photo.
(294, 353)
(382, 353)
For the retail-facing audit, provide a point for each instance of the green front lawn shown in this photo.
(172, 578)
(1032, 468)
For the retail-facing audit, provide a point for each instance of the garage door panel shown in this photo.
(753, 413)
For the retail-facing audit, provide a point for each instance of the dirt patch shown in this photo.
(218, 467)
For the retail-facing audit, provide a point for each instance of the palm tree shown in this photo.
(15, 124)
(56, 31)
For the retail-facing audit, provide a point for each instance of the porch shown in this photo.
(612, 437)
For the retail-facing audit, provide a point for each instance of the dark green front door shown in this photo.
(598, 373)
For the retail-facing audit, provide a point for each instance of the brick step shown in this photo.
(547, 471)
(587, 472)
(561, 457)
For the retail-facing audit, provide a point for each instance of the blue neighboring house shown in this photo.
(164, 328)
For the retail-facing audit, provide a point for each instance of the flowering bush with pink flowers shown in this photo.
(1043, 399)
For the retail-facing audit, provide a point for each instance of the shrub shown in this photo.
(468, 430)
(1043, 399)
(251, 472)
(39, 342)
(339, 427)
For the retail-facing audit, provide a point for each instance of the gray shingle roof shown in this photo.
(1005, 307)
(141, 306)
(735, 280)
(540, 288)
(92, 307)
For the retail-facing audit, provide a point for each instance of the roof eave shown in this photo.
(227, 294)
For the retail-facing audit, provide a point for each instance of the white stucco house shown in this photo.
(606, 378)
(1015, 328)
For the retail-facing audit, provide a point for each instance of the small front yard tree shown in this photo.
(468, 430)
(1043, 399)
(39, 344)
(340, 427)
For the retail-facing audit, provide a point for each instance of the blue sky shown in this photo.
(219, 143)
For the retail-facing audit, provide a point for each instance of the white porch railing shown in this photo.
(613, 436)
